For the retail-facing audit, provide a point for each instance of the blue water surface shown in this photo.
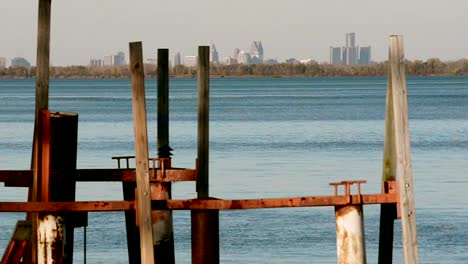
(268, 138)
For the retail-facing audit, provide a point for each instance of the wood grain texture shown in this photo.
(143, 209)
(403, 171)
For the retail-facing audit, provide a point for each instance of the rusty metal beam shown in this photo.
(23, 178)
(202, 204)
(310, 201)
(66, 206)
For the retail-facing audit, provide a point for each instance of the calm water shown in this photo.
(269, 138)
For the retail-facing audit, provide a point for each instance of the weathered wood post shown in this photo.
(205, 223)
(397, 160)
(162, 219)
(143, 209)
(388, 212)
(42, 102)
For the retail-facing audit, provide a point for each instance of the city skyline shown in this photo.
(350, 54)
(85, 29)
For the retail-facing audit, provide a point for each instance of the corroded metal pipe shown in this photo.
(350, 245)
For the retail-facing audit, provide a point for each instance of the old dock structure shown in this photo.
(46, 235)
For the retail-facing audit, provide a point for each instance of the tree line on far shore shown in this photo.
(430, 67)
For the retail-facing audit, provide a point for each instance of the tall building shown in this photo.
(365, 56)
(229, 61)
(236, 53)
(244, 58)
(119, 58)
(108, 60)
(335, 55)
(353, 55)
(177, 59)
(95, 62)
(20, 62)
(190, 61)
(2, 62)
(350, 39)
(256, 52)
(351, 52)
(214, 58)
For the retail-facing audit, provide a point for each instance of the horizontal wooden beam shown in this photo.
(201, 204)
(23, 178)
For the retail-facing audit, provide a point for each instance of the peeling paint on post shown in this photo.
(50, 238)
(350, 245)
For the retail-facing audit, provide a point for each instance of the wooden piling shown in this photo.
(203, 121)
(162, 219)
(397, 161)
(141, 153)
(43, 55)
(205, 224)
(388, 211)
(42, 102)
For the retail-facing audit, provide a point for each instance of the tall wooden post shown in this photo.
(205, 223)
(397, 159)
(42, 103)
(43, 55)
(162, 219)
(388, 212)
(141, 153)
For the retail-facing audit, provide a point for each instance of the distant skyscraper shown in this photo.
(229, 61)
(350, 53)
(119, 58)
(214, 54)
(365, 55)
(350, 39)
(244, 58)
(190, 61)
(108, 60)
(95, 63)
(2, 62)
(177, 59)
(256, 52)
(20, 62)
(335, 55)
(236, 53)
(353, 54)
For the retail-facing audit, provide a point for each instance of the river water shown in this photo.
(268, 138)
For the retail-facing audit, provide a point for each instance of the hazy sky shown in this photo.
(82, 29)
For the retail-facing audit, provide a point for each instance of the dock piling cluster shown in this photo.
(46, 236)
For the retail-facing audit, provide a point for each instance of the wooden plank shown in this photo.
(141, 153)
(202, 204)
(162, 219)
(388, 211)
(403, 171)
